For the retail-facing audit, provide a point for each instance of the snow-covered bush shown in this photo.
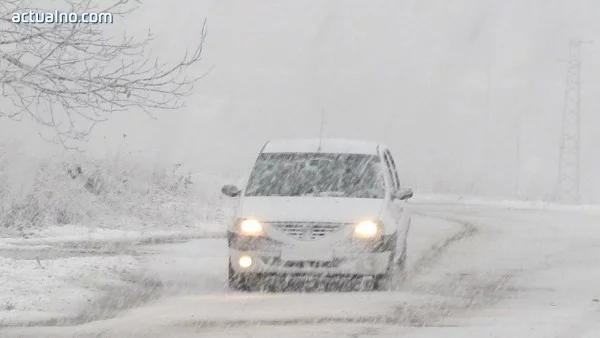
(121, 192)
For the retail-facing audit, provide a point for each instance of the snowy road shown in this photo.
(472, 272)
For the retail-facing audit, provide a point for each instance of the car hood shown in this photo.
(310, 209)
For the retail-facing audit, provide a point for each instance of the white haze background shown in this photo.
(468, 94)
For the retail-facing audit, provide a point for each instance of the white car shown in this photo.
(319, 207)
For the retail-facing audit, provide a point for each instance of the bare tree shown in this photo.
(71, 76)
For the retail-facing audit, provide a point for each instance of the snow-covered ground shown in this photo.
(474, 271)
(61, 271)
(192, 267)
(56, 288)
(75, 234)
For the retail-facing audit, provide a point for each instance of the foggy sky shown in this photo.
(450, 85)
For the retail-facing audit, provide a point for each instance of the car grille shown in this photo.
(306, 230)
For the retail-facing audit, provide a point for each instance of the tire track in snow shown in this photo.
(435, 252)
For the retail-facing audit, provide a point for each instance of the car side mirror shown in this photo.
(404, 194)
(230, 190)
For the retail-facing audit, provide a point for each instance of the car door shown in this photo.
(398, 206)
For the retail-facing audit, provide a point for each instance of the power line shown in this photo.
(569, 161)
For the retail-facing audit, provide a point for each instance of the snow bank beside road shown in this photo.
(57, 288)
(57, 235)
(77, 266)
(502, 203)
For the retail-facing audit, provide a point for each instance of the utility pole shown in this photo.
(490, 133)
(569, 160)
(518, 158)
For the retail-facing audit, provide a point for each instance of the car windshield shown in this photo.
(321, 175)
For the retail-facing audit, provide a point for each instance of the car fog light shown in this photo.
(245, 262)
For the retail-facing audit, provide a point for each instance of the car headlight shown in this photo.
(250, 227)
(367, 229)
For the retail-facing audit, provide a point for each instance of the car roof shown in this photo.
(332, 146)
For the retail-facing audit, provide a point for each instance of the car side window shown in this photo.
(388, 167)
(393, 169)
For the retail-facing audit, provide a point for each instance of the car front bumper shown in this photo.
(350, 257)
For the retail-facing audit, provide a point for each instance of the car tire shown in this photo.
(401, 260)
(237, 282)
(384, 282)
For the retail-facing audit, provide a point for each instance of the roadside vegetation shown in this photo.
(123, 192)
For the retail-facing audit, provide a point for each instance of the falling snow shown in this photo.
(466, 229)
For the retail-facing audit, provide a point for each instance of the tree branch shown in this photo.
(69, 77)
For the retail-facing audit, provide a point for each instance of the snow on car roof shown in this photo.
(335, 146)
